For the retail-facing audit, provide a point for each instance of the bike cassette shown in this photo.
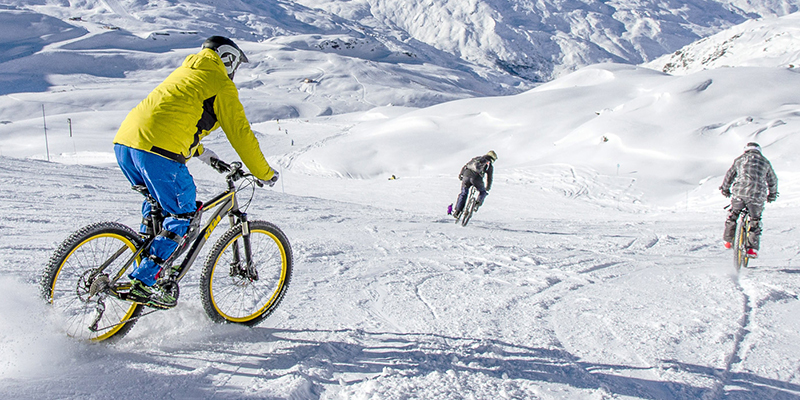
(99, 285)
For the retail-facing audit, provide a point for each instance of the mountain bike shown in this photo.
(740, 258)
(245, 276)
(470, 207)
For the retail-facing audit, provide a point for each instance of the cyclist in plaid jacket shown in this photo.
(749, 183)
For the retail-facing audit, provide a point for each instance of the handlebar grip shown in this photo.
(219, 165)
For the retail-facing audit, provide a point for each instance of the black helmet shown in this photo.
(232, 56)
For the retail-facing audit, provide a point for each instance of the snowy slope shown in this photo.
(574, 281)
(552, 292)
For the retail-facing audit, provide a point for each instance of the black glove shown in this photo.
(725, 191)
(772, 197)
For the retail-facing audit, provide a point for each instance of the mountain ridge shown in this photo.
(532, 40)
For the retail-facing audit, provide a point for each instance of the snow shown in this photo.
(540, 40)
(594, 271)
(757, 43)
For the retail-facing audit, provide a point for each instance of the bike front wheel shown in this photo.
(740, 258)
(468, 210)
(232, 292)
(73, 279)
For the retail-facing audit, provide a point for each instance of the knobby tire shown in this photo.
(740, 259)
(230, 297)
(468, 210)
(66, 281)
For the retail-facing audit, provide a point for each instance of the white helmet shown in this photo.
(752, 146)
(232, 56)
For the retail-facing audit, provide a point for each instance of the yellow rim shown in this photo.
(741, 252)
(274, 294)
(133, 306)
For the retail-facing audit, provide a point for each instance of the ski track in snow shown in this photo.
(117, 8)
(392, 304)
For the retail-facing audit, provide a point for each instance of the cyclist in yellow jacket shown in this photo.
(163, 131)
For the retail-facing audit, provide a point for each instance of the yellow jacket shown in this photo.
(194, 100)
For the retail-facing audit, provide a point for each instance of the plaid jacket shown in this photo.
(751, 178)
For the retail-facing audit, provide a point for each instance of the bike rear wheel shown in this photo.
(740, 258)
(228, 293)
(67, 282)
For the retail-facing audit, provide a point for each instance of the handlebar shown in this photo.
(234, 171)
(221, 166)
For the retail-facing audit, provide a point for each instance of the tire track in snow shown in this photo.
(117, 8)
(724, 377)
(566, 269)
(730, 381)
(287, 160)
(421, 298)
(478, 262)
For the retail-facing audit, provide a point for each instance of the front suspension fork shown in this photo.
(248, 271)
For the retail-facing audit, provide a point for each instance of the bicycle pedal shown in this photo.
(120, 290)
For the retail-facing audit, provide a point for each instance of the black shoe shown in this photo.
(150, 296)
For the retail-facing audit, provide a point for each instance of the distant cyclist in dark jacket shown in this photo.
(749, 183)
(472, 175)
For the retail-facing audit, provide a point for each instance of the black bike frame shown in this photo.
(225, 203)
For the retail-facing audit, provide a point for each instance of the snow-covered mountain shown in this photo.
(326, 63)
(542, 39)
(489, 47)
(769, 42)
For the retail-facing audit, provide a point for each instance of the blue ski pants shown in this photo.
(170, 183)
